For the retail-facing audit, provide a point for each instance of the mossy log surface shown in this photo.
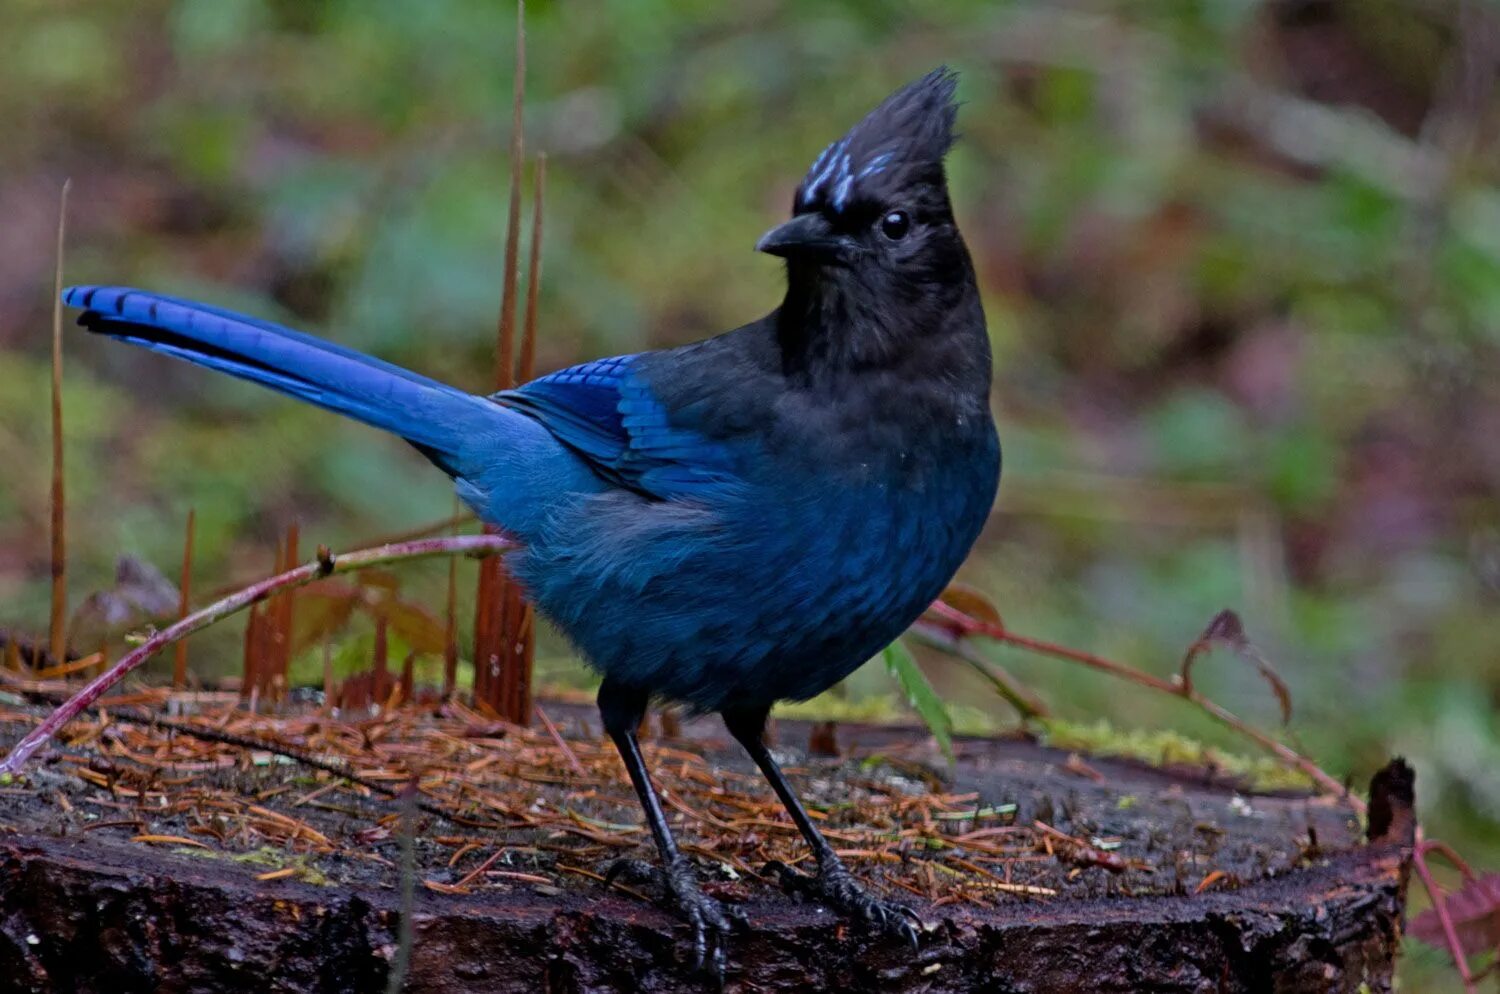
(1293, 898)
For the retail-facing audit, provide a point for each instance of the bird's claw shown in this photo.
(680, 893)
(836, 887)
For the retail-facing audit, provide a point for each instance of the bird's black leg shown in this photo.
(621, 708)
(833, 884)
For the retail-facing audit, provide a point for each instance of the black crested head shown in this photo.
(900, 143)
(876, 267)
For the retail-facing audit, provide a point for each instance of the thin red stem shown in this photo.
(57, 640)
(1440, 908)
(964, 625)
(184, 598)
(533, 273)
(324, 565)
(505, 369)
(450, 626)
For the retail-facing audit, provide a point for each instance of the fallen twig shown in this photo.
(1440, 903)
(324, 565)
(1015, 693)
(962, 625)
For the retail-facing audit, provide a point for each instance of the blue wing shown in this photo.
(606, 412)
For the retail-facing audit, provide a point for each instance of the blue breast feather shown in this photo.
(749, 596)
(716, 590)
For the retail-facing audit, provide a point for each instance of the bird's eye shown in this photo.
(895, 225)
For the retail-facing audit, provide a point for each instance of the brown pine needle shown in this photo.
(562, 743)
(1209, 881)
(480, 870)
(171, 840)
(579, 871)
(67, 669)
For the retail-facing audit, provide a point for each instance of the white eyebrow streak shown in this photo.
(841, 192)
(875, 165)
(823, 167)
(845, 173)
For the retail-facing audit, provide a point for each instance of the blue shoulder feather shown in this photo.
(606, 412)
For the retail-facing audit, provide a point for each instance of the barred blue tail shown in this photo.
(508, 467)
(433, 416)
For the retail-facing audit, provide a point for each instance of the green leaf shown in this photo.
(902, 665)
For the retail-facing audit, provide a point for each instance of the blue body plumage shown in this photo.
(730, 523)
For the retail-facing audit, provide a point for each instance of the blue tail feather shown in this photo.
(431, 415)
(508, 467)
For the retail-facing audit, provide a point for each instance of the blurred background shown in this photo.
(1240, 259)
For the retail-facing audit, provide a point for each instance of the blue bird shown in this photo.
(734, 522)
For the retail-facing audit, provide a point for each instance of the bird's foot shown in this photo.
(680, 893)
(836, 887)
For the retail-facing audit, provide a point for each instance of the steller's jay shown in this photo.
(730, 523)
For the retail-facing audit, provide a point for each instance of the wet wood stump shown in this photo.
(1034, 870)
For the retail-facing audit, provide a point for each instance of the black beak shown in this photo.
(807, 236)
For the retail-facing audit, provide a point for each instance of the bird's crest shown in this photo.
(907, 135)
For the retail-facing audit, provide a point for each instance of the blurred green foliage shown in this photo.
(1240, 262)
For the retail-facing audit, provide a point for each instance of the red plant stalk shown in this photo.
(184, 596)
(57, 634)
(325, 565)
(1440, 902)
(486, 623)
(525, 660)
(271, 637)
(505, 352)
(503, 671)
(329, 690)
(249, 671)
(507, 688)
(450, 628)
(523, 656)
(1027, 704)
(533, 272)
(965, 624)
(1440, 908)
(380, 675)
(494, 626)
(286, 615)
(408, 677)
(481, 617)
(520, 693)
